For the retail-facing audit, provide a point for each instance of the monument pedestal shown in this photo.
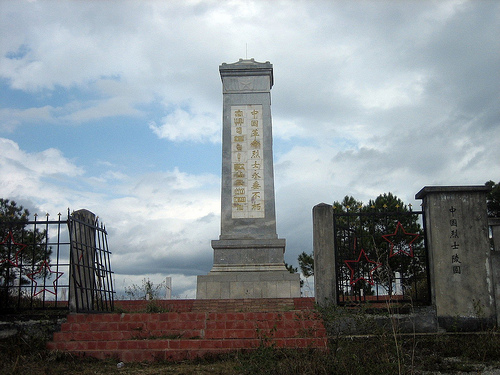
(248, 269)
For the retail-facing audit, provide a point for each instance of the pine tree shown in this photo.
(22, 250)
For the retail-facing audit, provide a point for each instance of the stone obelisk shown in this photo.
(249, 256)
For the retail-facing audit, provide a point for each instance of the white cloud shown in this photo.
(10, 118)
(116, 106)
(49, 162)
(182, 125)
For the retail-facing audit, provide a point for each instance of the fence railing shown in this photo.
(41, 263)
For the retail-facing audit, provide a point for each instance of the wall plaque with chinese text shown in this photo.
(247, 162)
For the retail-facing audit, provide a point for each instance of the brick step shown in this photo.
(187, 333)
(244, 305)
(149, 350)
(220, 305)
(104, 320)
(211, 325)
(124, 335)
(164, 344)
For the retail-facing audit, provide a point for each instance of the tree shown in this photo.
(293, 269)
(147, 291)
(397, 242)
(22, 251)
(493, 199)
(374, 246)
(306, 264)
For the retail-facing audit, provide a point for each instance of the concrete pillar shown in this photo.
(168, 287)
(494, 224)
(325, 281)
(459, 256)
(82, 261)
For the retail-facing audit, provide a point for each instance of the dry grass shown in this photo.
(429, 354)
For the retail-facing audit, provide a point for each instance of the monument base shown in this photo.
(248, 284)
(248, 268)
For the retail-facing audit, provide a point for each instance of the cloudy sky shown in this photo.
(116, 106)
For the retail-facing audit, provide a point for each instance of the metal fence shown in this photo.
(39, 269)
(381, 256)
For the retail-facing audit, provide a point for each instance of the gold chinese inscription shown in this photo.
(247, 162)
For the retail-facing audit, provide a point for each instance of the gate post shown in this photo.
(325, 280)
(82, 261)
(494, 224)
(459, 256)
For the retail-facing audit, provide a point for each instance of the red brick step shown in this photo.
(192, 332)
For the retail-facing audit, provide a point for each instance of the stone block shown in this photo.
(249, 285)
(324, 255)
(459, 255)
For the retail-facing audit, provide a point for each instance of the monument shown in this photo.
(248, 256)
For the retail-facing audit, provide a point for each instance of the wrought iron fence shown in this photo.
(381, 256)
(38, 271)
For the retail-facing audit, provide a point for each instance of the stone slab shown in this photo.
(257, 255)
(271, 284)
(462, 286)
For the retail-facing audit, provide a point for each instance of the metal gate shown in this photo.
(45, 264)
(381, 256)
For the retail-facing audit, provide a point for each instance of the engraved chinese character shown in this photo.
(239, 147)
(239, 174)
(239, 138)
(455, 259)
(240, 199)
(239, 130)
(239, 183)
(457, 269)
(239, 191)
(454, 233)
(238, 113)
(254, 122)
(255, 143)
(455, 245)
(256, 207)
(453, 223)
(238, 120)
(255, 132)
(255, 154)
(256, 185)
(255, 165)
(254, 113)
(239, 166)
(453, 210)
(239, 207)
(255, 175)
(256, 195)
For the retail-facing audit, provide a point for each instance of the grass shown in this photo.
(432, 353)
